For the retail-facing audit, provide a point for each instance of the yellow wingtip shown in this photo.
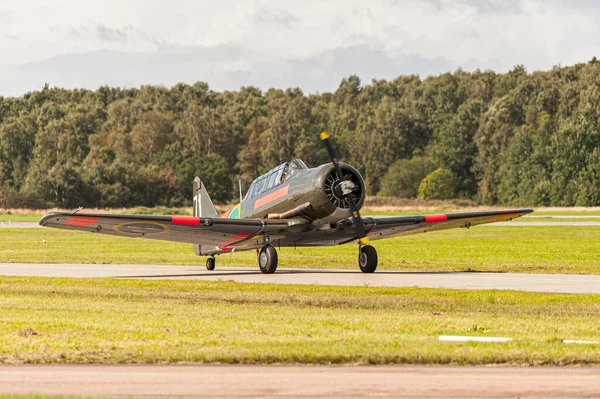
(324, 136)
(364, 240)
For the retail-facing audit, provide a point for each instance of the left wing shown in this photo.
(385, 227)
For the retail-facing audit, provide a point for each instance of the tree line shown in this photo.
(514, 138)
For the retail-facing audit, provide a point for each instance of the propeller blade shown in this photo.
(325, 138)
(360, 227)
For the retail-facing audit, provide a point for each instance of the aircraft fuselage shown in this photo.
(313, 192)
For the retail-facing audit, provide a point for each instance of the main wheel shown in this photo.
(210, 263)
(267, 259)
(367, 259)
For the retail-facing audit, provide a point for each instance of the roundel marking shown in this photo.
(145, 228)
(235, 213)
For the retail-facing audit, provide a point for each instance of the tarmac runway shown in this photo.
(299, 381)
(559, 283)
(20, 225)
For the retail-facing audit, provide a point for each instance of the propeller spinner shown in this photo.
(345, 187)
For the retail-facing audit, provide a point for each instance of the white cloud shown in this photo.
(404, 36)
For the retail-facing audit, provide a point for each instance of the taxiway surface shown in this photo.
(299, 381)
(558, 283)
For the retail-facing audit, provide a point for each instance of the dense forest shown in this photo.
(516, 138)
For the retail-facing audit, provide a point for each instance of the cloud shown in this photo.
(112, 35)
(469, 33)
(127, 38)
(74, 33)
(264, 16)
(310, 44)
(223, 67)
(481, 6)
(497, 6)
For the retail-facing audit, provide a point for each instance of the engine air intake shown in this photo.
(337, 192)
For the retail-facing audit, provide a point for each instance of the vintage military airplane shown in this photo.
(289, 206)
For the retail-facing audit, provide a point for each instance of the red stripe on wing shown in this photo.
(239, 237)
(435, 218)
(80, 221)
(185, 220)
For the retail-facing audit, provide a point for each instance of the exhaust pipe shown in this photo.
(291, 213)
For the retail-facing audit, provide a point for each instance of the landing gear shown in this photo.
(267, 259)
(210, 263)
(367, 259)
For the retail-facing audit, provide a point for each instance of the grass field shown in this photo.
(9, 217)
(504, 249)
(129, 321)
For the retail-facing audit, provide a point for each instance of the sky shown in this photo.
(281, 43)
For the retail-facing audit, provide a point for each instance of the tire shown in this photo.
(267, 260)
(367, 259)
(210, 263)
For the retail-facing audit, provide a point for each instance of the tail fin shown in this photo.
(203, 206)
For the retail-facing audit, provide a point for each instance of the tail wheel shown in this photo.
(267, 260)
(210, 263)
(367, 259)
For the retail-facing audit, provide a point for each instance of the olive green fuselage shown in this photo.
(305, 186)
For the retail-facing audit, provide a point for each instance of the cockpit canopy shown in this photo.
(275, 177)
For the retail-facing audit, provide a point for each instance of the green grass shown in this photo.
(567, 213)
(7, 217)
(515, 249)
(45, 320)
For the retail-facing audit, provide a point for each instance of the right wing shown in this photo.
(216, 234)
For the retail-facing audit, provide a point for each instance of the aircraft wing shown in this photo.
(219, 235)
(384, 227)
(210, 231)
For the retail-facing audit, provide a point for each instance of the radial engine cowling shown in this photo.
(336, 192)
